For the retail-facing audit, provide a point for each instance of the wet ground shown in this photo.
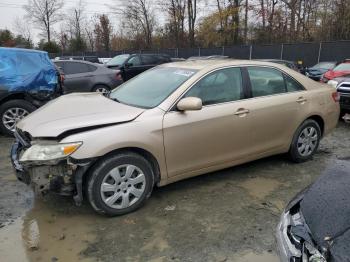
(229, 215)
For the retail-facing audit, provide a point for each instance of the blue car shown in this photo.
(28, 79)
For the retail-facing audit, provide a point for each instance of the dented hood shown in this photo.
(76, 111)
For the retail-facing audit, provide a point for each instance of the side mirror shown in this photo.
(189, 104)
(127, 65)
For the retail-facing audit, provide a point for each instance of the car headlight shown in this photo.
(333, 83)
(41, 152)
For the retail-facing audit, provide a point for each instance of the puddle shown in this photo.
(260, 187)
(253, 257)
(45, 235)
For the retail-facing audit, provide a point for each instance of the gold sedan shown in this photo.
(172, 122)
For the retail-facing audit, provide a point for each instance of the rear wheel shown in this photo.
(11, 112)
(120, 184)
(305, 141)
(101, 89)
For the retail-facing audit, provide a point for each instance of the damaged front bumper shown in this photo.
(294, 240)
(62, 176)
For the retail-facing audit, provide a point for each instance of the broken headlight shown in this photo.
(42, 152)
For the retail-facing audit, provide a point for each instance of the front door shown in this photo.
(217, 134)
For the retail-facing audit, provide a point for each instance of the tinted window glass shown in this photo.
(266, 81)
(118, 60)
(148, 60)
(293, 85)
(75, 68)
(135, 60)
(220, 86)
(92, 68)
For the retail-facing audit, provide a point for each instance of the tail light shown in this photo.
(119, 76)
(336, 96)
(62, 78)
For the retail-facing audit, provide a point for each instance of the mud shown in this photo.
(228, 215)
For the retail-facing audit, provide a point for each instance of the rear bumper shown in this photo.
(344, 101)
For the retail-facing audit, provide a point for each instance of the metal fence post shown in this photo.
(250, 52)
(199, 51)
(223, 50)
(282, 49)
(319, 52)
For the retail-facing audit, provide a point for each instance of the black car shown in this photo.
(82, 76)
(315, 225)
(28, 79)
(316, 72)
(132, 65)
(91, 58)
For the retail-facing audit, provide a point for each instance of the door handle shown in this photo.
(242, 112)
(301, 100)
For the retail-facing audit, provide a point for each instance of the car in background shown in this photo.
(286, 63)
(172, 122)
(134, 64)
(83, 76)
(314, 226)
(343, 87)
(104, 60)
(92, 59)
(316, 72)
(210, 57)
(341, 70)
(28, 79)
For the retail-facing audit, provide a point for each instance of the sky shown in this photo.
(10, 9)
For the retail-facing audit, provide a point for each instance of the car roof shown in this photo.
(22, 50)
(215, 63)
(76, 61)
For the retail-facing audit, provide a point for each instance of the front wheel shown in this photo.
(305, 141)
(120, 184)
(11, 112)
(104, 90)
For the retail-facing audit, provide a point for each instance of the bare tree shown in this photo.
(44, 13)
(22, 27)
(176, 18)
(191, 16)
(103, 31)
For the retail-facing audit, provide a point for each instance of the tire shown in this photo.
(308, 134)
(11, 106)
(119, 187)
(102, 89)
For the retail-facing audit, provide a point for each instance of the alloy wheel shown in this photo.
(12, 115)
(104, 91)
(123, 186)
(307, 141)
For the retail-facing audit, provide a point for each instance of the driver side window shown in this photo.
(135, 61)
(221, 86)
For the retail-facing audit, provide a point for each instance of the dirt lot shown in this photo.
(229, 215)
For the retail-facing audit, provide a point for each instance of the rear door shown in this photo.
(215, 135)
(277, 107)
(149, 61)
(78, 77)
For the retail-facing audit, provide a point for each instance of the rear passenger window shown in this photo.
(148, 60)
(266, 81)
(218, 87)
(293, 85)
(75, 68)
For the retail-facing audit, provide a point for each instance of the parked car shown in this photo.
(286, 63)
(104, 60)
(341, 70)
(92, 59)
(315, 224)
(82, 76)
(172, 122)
(28, 79)
(343, 89)
(316, 72)
(132, 65)
(208, 57)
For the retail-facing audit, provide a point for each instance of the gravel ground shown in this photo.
(228, 215)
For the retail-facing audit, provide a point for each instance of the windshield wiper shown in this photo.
(115, 99)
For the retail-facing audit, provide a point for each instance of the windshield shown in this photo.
(323, 65)
(150, 88)
(118, 60)
(342, 67)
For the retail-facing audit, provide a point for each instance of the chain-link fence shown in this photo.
(309, 53)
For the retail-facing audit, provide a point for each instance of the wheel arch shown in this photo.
(319, 120)
(99, 84)
(142, 152)
(14, 96)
